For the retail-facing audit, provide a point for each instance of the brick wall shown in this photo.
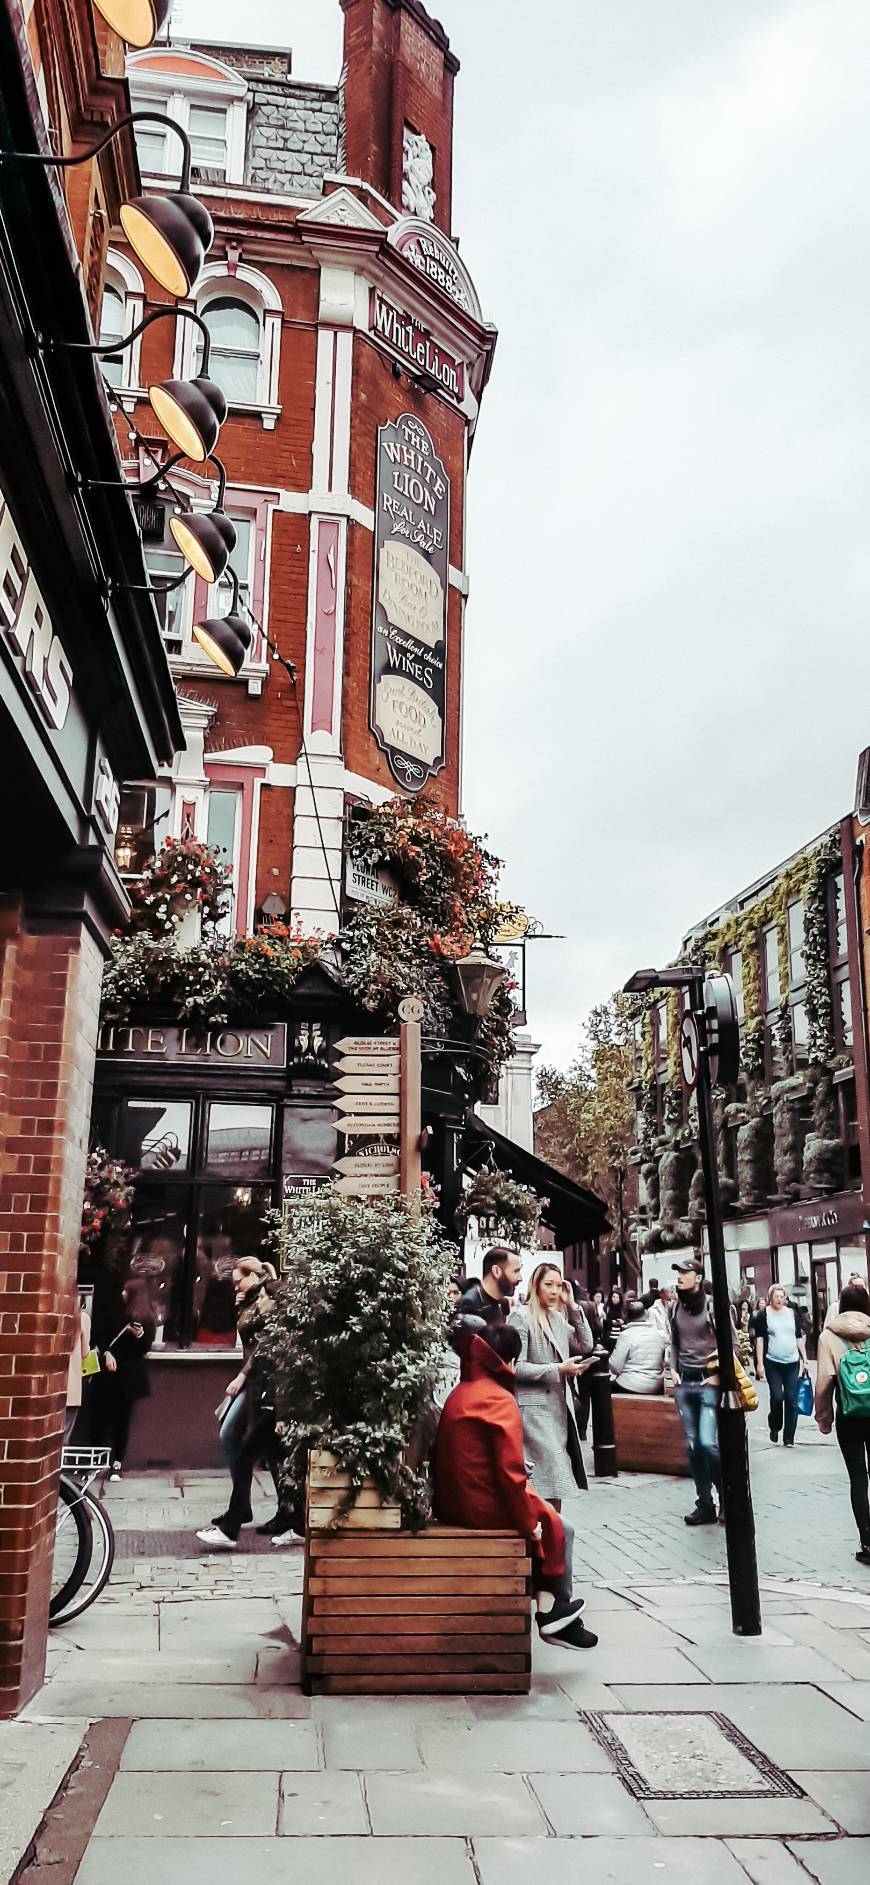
(399, 71)
(49, 996)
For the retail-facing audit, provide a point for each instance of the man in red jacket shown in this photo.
(480, 1479)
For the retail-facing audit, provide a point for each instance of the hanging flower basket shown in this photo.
(502, 1209)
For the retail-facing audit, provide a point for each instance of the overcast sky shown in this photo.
(665, 207)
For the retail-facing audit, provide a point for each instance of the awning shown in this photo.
(572, 1213)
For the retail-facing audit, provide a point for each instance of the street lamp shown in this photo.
(136, 21)
(477, 977)
(206, 539)
(225, 638)
(191, 412)
(710, 1054)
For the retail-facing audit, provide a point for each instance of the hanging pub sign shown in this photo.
(409, 602)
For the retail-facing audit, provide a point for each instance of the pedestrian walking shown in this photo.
(489, 1300)
(123, 1379)
(614, 1317)
(582, 1343)
(597, 1314)
(742, 1317)
(544, 1371)
(781, 1350)
(693, 1342)
(75, 1379)
(637, 1365)
(480, 1480)
(258, 1439)
(843, 1377)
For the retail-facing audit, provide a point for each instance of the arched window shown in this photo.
(235, 348)
(112, 328)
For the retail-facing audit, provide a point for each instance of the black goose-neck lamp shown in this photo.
(191, 412)
(225, 638)
(206, 539)
(171, 235)
(136, 21)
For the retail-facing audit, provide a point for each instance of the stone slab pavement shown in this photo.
(227, 1772)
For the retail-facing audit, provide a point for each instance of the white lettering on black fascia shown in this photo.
(25, 621)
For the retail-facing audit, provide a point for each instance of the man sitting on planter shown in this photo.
(480, 1479)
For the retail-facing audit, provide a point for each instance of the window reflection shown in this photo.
(240, 1140)
(232, 1224)
(156, 1257)
(155, 1135)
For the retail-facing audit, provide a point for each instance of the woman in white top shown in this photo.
(782, 1346)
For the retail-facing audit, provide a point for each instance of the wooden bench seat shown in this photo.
(649, 1434)
(390, 1612)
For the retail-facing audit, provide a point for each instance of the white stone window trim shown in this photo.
(123, 275)
(255, 291)
(174, 93)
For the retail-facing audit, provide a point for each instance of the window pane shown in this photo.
(112, 329)
(207, 130)
(800, 1027)
(797, 966)
(168, 563)
(155, 1135)
(221, 828)
(310, 1141)
(232, 324)
(839, 940)
(232, 1224)
(151, 149)
(735, 970)
(239, 1140)
(157, 1257)
(235, 351)
(771, 966)
(845, 995)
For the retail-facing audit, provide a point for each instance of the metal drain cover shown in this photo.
(677, 1755)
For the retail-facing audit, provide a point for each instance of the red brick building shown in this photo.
(343, 322)
(86, 699)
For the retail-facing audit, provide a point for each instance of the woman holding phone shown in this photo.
(544, 1371)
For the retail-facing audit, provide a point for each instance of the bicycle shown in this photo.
(84, 1542)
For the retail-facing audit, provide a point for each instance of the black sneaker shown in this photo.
(702, 1515)
(577, 1638)
(774, 1433)
(863, 1556)
(553, 1623)
(279, 1522)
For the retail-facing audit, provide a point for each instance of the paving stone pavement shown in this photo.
(228, 1773)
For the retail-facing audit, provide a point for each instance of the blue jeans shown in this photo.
(697, 1402)
(782, 1379)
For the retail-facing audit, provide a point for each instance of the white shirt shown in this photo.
(781, 1338)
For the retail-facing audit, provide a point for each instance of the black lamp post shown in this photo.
(710, 1048)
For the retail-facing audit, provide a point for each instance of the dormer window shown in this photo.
(207, 130)
(209, 102)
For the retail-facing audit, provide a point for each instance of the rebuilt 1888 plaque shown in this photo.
(409, 602)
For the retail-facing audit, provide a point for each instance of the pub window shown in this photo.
(239, 1140)
(155, 1135)
(772, 984)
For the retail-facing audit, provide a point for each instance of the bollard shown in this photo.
(601, 1407)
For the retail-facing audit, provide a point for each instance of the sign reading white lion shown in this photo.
(409, 602)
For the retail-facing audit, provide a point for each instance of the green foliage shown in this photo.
(106, 1203)
(587, 1123)
(504, 1210)
(183, 875)
(357, 1339)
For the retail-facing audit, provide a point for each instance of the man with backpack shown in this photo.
(781, 1347)
(844, 1369)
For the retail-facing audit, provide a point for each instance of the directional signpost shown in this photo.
(378, 1081)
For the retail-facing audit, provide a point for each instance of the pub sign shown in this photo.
(409, 602)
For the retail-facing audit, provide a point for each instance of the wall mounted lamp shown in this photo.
(225, 638)
(171, 235)
(206, 539)
(136, 21)
(191, 412)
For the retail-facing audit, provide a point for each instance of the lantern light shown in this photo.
(225, 638)
(478, 977)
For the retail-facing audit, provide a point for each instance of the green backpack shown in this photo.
(854, 1382)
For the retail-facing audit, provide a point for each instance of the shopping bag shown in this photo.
(805, 1395)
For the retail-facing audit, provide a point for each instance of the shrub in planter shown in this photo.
(357, 1340)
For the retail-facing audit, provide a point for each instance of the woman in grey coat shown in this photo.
(544, 1371)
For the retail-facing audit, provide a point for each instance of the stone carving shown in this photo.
(418, 171)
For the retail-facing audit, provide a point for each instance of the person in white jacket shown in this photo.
(637, 1364)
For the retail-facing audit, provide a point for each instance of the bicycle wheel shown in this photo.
(73, 1544)
(100, 1560)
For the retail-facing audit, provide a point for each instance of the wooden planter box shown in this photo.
(649, 1434)
(390, 1612)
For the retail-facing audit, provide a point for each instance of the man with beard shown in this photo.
(693, 1342)
(489, 1301)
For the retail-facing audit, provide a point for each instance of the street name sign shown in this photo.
(367, 1186)
(368, 1044)
(369, 1063)
(379, 1164)
(363, 1103)
(368, 1083)
(356, 1127)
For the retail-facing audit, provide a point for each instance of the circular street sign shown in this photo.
(690, 1050)
(723, 1029)
(410, 1008)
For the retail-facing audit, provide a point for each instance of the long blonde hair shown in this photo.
(537, 1316)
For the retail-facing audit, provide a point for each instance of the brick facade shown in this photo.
(49, 1000)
